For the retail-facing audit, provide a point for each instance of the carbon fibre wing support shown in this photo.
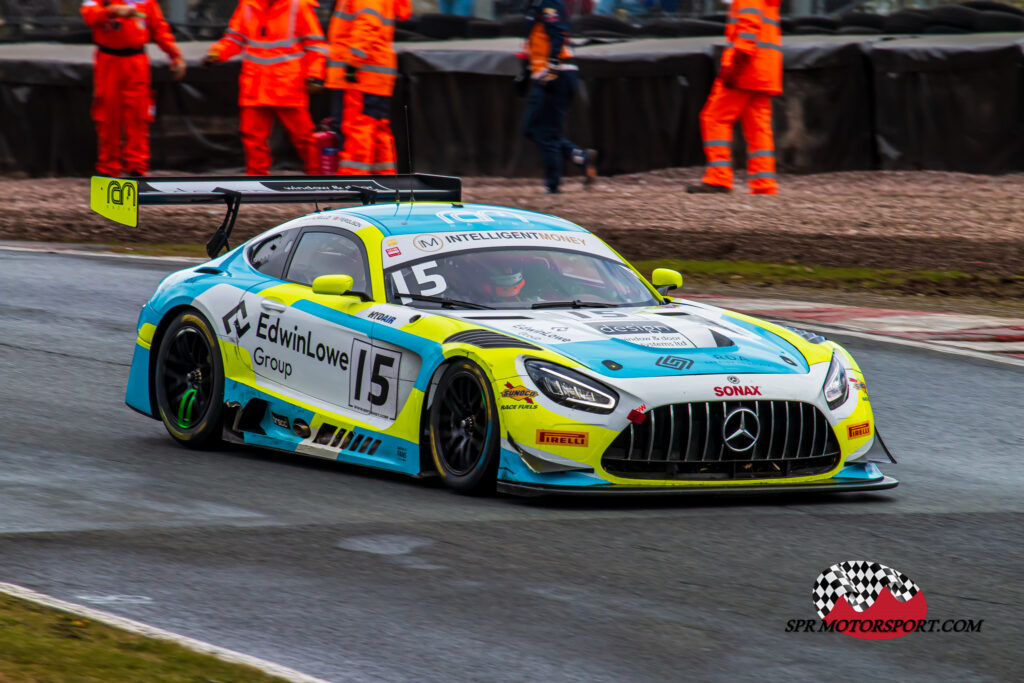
(220, 238)
(119, 199)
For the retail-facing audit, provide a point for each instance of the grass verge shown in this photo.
(42, 644)
(797, 274)
(866, 281)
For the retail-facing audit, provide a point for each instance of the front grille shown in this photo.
(686, 441)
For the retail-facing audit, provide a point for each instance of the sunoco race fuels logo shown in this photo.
(869, 600)
(518, 392)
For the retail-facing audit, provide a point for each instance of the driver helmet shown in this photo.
(506, 279)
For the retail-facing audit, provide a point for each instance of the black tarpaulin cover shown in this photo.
(950, 103)
(850, 102)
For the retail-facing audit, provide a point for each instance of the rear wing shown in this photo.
(119, 199)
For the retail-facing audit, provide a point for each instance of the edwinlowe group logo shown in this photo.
(869, 600)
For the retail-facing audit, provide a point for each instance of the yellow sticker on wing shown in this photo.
(115, 199)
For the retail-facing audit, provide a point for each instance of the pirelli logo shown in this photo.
(858, 430)
(547, 436)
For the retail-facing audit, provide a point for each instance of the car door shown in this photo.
(313, 346)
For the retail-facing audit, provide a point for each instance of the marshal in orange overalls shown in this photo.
(122, 105)
(362, 63)
(750, 76)
(283, 56)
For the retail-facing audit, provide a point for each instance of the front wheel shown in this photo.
(189, 381)
(464, 429)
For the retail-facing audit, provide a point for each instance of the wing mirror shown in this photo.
(332, 284)
(665, 279)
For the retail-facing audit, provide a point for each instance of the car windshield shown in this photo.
(517, 278)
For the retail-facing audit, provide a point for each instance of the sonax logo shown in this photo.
(737, 391)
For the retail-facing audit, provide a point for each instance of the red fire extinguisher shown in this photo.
(327, 147)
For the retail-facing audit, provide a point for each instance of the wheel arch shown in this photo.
(426, 460)
(475, 471)
(154, 348)
(469, 353)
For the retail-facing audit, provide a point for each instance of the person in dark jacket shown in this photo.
(553, 81)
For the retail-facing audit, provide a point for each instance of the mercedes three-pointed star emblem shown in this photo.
(741, 429)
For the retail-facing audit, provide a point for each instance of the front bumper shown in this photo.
(830, 486)
(854, 477)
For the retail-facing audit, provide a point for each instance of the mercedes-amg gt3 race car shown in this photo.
(488, 345)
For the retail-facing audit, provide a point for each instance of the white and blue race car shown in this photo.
(492, 346)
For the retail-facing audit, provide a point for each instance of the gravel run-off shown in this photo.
(905, 220)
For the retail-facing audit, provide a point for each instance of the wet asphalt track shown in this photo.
(354, 575)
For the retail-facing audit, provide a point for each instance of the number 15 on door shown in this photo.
(373, 380)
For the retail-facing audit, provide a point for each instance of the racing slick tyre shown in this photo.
(464, 429)
(189, 381)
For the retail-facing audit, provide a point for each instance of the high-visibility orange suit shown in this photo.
(750, 76)
(283, 53)
(362, 63)
(122, 105)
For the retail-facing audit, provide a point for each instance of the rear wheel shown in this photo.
(189, 381)
(464, 429)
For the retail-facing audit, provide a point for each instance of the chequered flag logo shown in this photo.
(860, 583)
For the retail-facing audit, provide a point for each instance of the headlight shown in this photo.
(569, 388)
(836, 388)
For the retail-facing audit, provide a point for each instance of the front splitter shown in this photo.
(830, 486)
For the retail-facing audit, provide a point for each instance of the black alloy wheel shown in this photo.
(189, 381)
(464, 429)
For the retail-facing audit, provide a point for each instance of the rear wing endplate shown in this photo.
(119, 199)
